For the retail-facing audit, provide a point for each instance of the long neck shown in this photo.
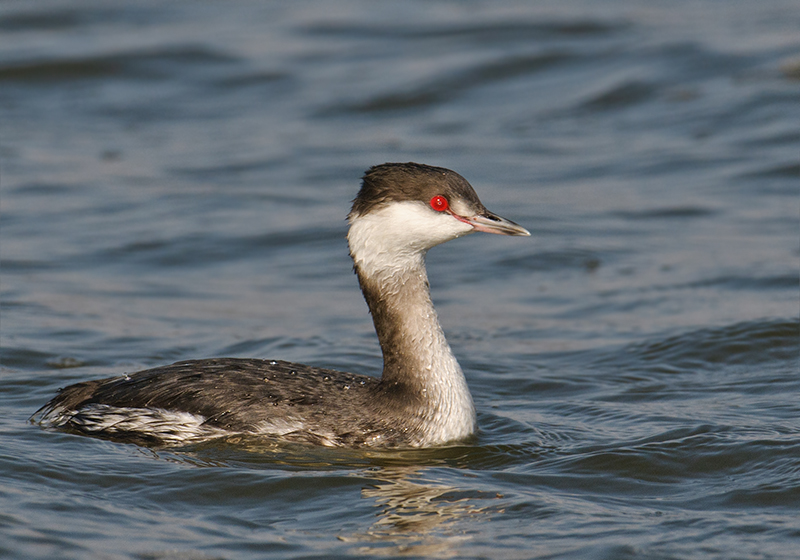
(411, 338)
(418, 365)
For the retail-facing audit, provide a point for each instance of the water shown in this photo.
(175, 177)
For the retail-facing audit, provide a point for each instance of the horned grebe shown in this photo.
(422, 399)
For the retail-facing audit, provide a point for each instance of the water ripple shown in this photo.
(158, 64)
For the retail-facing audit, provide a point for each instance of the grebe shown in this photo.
(422, 398)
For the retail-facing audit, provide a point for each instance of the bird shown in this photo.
(421, 399)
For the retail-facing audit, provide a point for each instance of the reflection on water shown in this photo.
(415, 515)
(419, 518)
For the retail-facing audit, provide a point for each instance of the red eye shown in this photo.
(439, 203)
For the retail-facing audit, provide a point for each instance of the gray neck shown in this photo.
(418, 365)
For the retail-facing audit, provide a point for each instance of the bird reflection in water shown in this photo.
(418, 517)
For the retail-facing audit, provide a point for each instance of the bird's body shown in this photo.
(422, 398)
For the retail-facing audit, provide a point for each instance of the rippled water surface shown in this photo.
(175, 177)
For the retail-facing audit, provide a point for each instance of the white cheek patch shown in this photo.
(399, 234)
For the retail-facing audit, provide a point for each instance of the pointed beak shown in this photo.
(492, 223)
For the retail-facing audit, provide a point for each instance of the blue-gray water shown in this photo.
(175, 177)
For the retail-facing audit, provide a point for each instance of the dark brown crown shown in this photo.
(401, 182)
